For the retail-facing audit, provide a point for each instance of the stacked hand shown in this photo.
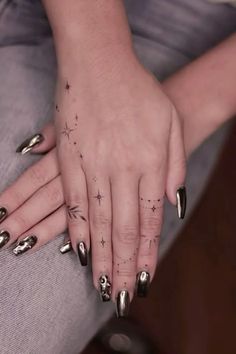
(119, 151)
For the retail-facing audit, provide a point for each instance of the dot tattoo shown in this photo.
(67, 131)
(67, 87)
(99, 197)
(57, 108)
(74, 212)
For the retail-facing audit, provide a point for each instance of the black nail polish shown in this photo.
(122, 304)
(3, 213)
(105, 288)
(4, 238)
(142, 283)
(181, 197)
(82, 253)
(24, 245)
(30, 143)
(67, 247)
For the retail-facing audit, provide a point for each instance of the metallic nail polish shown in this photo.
(30, 143)
(181, 202)
(142, 283)
(105, 288)
(122, 303)
(4, 238)
(25, 244)
(3, 213)
(67, 247)
(82, 253)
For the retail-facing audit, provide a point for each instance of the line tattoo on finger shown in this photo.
(74, 212)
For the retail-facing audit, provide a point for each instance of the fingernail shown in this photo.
(24, 245)
(122, 303)
(181, 202)
(66, 247)
(30, 143)
(105, 288)
(3, 213)
(82, 253)
(142, 283)
(4, 238)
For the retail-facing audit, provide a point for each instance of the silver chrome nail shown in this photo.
(67, 247)
(30, 143)
(25, 244)
(82, 253)
(122, 303)
(3, 213)
(181, 202)
(104, 288)
(4, 237)
(143, 282)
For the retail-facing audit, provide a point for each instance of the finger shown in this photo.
(42, 233)
(28, 183)
(125, 239)
(40, 205)
(100, 230)
(151, 200)
(75, 190)
(40, 142)
(175, 189)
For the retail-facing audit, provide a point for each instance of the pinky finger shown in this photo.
(42, 233)
(40, 142)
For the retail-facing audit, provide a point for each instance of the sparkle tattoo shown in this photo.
(67, 131)
(74, 212)
(99, 197)
(103, 242)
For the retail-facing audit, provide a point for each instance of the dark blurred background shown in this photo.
(191, 307)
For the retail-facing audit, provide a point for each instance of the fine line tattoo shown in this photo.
(74, 212)
(67, 87)
(99, 197)
(67, 131)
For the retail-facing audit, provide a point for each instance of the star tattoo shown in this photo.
(67, 131)
(74, 212)
(103, 243)
(153, 208)
(99, 197)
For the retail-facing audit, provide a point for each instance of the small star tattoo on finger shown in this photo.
(99, 197)
(103, 243)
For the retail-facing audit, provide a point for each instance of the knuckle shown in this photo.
(127, 233)
(15, 196)
(101, 221)
(52, 194)
(37, 174)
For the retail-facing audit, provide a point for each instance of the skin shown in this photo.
(111, 119)
(44, 183)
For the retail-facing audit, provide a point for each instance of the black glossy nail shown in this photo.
(82, 253)
(105, 288)
(30, 143)
(181, 197)
(142, 283)
(4, 238)
(122, 304)
(3, 213)
(67, 247)
(24, 245)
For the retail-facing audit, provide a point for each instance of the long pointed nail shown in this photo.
(3, 213)
(143, 282)
(122, 303)
(105, 288)
(82, 253)
(24, 245)
(30, 143)
(4, 238)
(181, 202)
(67, 247)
